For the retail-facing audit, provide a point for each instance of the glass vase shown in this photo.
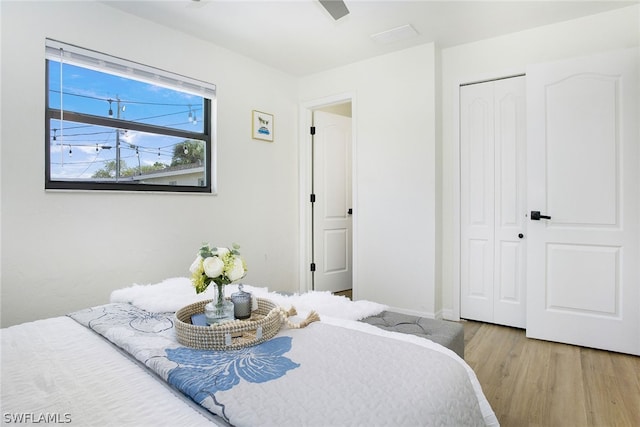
(220, 309)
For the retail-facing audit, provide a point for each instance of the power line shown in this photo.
(124, 101)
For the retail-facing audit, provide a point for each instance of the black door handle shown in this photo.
(350, 211)
(535, 216)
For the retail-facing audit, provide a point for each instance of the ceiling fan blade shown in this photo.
(336, 8)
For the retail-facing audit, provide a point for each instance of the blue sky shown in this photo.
(79, 150)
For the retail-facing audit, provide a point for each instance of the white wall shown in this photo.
(63, 251)
(394, 155)
(503, 56)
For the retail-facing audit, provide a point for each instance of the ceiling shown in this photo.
(300, 38)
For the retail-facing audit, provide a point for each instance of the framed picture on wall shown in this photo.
(262, 126)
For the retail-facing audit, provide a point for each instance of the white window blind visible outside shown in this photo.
(71, 54)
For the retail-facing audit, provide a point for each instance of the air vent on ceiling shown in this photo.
(403, 32)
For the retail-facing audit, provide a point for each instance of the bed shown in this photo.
(120, 364)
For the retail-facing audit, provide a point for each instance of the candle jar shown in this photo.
(241, 304)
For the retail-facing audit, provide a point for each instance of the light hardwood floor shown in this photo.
(346, 293)
(537, 383)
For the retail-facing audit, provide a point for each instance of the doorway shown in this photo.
(327, 197)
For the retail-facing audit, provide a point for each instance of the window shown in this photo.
(113, 124)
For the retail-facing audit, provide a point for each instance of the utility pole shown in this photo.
(117, 139)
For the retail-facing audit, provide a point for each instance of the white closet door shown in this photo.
(510, 202)
(477, 201)
(492, 158)
(583, 162)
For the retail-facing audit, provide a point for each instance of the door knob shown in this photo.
(536, 216)
(350, 211)
(521, 236)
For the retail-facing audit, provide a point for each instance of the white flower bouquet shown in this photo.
(218, 265)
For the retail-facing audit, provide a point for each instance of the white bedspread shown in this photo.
(332, 373)
(56, 371)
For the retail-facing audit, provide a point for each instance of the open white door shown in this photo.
(583, 274)
(332, 236)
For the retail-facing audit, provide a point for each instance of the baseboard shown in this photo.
(449, 314)
(413, 312)
(444, 314)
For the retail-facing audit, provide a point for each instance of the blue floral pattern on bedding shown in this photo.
(149, 338)
(202, 373)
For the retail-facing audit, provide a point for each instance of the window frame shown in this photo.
(118, 124)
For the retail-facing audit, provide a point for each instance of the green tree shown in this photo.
(109, 170)
(150, 168)
(188, 152)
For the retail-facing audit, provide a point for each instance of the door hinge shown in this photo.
(313, 198)
(312, 130)
(313, 266)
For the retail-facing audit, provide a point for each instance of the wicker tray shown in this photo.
(263, 324)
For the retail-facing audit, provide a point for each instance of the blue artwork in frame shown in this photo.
(262, 126)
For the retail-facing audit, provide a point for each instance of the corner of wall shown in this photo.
(438, 287)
